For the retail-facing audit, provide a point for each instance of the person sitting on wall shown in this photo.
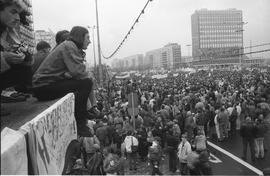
(16, 57)
(63, 71)
(43, 49)
(60, 37)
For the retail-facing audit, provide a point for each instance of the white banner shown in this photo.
(160, 76)
(49, 135)
(122, 76)
(13, 153)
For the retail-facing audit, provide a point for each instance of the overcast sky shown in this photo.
(164, 21)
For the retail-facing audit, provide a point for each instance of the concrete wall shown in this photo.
(39, 147)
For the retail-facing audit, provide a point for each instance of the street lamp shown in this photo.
(99, 52)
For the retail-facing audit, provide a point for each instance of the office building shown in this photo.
(217, 37)
(134, 62)
(186, 61)
(167, 57)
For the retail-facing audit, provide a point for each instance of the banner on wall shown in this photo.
(13, 153)
(49, 135)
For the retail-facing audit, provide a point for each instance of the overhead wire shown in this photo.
(242, 48)
(229, 56)
(228, 51)
(128, 33)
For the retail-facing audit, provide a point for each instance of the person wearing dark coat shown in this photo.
(143, 144)
(172, 144)
(247, 132)
(232, 120)
(158, 131)
(204, 166)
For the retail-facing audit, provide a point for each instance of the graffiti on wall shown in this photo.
(50, 134)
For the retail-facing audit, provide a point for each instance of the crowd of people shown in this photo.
(176, 116)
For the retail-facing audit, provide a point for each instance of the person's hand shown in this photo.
(22, 49)
(13, 58)
(67, 75)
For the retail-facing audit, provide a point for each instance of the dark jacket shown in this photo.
(248, 130)
(102, 134)
(155, 153)
(172, 142)
(38, 59)
(95, 164)
(200, 119)
(261, 129)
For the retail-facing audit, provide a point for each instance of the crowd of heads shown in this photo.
(189, 107)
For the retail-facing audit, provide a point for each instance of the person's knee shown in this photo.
(87, 83)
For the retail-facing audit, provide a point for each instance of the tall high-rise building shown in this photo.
(47, 36)
(217, 36)
(167, 57)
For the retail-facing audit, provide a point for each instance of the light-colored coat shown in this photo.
(183, 150)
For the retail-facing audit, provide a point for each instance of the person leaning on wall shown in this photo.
(63, 71)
